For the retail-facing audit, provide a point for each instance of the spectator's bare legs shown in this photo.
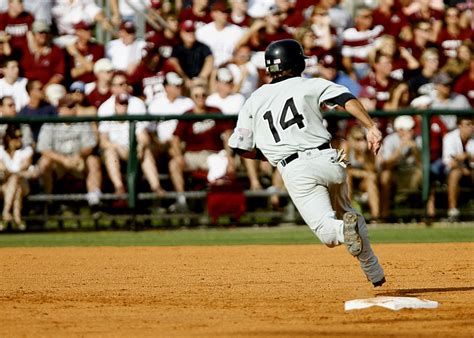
(9, 192)
(176, 168)
(454, 177)
(252, 172)
(94, 174)
(112, 164)
(150, 171)
(21, 191)
(46, 168)
(386, 180)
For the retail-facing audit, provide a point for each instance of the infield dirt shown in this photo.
(231, 291)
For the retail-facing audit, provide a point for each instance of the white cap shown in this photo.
(404, 122)
(224, 75)
(103, 65)
(173, 79)
(54, 92)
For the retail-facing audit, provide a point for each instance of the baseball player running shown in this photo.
(282, 122)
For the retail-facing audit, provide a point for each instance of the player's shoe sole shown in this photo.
(379, 283)
(352, 239)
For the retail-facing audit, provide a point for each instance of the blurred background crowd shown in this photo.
(158, 57)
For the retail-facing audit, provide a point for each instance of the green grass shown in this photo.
(235, 236)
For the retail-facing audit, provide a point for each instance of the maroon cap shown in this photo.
(188, 26)
(220, 6)
(156, 4)
(83, 25)
(128, 26)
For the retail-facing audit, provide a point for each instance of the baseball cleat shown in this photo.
(352, 239)
(379, 283)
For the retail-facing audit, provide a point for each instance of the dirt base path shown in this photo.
(237, 291)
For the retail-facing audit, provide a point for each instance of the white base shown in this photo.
(392, 303)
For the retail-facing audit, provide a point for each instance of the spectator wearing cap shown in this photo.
(67, 13)
(264, 31)
(224, 97)
(220, 35)
(166, 38)
(445, 98)
(147, 79)
(115, 143)
(126, 51)
(12, 84)
(191, 58)
(172, 103)
(357, 43)
(83, 106)
(464, 84)
(200, 145)
(198, 13)
(42, 60)
(99, 91)
(393, 20)
(239, 13)
(328, 70)
(37, 106)
(67, 148)
(82, 54)
(16, 22)
(400, 162)
(458, 158)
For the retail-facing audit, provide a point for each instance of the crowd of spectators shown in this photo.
(199, 56)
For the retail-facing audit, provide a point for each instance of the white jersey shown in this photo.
(287, 115)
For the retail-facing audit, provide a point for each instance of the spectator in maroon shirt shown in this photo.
(291, 19)
(393, 20)
(82, 55)
(465, 83)
(452, 35)
(421, 39)
(238, 14)
(167, 38)
(42, 60)
(202, 139)
(264, 31)
(423, 10)
(147, 79)
(199, 13)
(16, 22)
(99, 91)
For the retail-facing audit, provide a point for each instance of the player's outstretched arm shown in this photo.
(374, 136)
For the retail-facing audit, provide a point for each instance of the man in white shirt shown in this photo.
(13, 85)
(458, 158)
(125, 52)
(172, 103)
(220, 35)
(224, 98)
(114, 136)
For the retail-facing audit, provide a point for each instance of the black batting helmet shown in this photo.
(283, 55)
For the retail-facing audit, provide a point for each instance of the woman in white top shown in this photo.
(15, 161)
